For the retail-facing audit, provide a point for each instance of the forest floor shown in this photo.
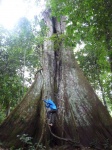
(69, 148)
(62, 148)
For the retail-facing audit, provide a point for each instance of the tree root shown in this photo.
(70, 141)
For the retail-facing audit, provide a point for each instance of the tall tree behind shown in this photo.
(81, 116)
(18, 55)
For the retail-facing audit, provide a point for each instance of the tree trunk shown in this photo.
(81, 117)
(7, 109)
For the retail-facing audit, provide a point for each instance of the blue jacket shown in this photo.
(50, 104)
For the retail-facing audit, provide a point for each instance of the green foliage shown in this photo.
(20, 53)
(26, 140)
(2, 115)
(89, 22)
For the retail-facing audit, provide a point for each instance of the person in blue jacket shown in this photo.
(51, 110)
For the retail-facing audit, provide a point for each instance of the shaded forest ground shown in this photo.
(66, 147)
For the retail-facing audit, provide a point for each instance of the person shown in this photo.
(51, 110)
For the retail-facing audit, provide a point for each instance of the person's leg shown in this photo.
(49, 116)
(52, 119)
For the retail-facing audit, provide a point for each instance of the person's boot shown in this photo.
(50, 124)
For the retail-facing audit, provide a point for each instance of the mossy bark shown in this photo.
(81, 117)
(26, 118)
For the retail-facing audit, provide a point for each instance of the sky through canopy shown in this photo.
(12, 10)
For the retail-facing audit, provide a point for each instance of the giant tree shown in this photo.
(81, 118)
(90, 22)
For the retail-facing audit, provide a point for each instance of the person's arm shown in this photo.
(47, 104)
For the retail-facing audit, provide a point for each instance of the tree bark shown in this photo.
(81, 117)
(7, 109)
(81, 113)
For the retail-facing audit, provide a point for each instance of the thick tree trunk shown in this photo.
(81, 116)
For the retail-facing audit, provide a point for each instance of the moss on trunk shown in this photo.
(81, 119)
